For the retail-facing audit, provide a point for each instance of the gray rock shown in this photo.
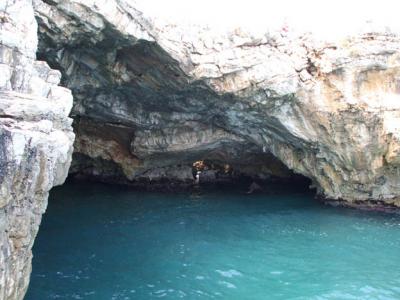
(152, 96)
(327, 109)
(35, 142)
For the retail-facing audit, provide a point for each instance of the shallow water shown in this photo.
(103, 242)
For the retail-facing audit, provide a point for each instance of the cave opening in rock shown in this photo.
(173, 159)
(177, 172)
(141, 119)
(216, 116)
(141, 123)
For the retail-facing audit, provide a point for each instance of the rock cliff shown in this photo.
(35, 142)
(153, 95)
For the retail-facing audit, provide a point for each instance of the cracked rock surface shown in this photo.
(153, 93)
(35, 142)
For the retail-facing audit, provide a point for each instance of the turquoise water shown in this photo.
(102, 242)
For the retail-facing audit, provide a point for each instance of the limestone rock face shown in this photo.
(153, 95)
(167, 93)
(35, 142)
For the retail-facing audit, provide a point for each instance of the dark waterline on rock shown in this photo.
(108, 242)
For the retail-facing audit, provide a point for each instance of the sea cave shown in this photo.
(152, 150)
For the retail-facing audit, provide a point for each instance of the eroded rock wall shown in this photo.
(136, 110)
(328, 109)
(35, 142)
(153, 95)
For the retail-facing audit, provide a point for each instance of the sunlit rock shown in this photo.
(156, 91)
(324, 105)
(35, 142)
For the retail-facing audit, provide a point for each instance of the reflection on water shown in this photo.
(102, 242)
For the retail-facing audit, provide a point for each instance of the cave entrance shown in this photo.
(257, 173)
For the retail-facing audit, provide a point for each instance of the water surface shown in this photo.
(104, 242)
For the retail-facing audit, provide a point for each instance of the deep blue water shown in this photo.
(103, 242)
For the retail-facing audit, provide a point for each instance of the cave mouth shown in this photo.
(206, 174)
(141, 120)
(156, 161)
(224, 167)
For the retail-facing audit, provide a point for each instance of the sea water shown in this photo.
(109, 242)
